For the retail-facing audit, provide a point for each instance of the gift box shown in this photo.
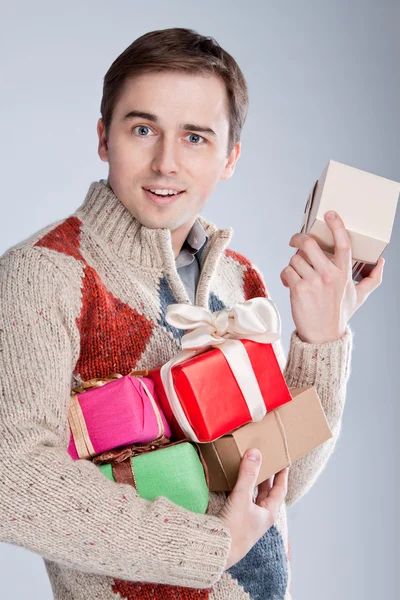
(114, 412)
(282, 436)
(227, 374)
(210, 395)
(366, 203)
(175, 471)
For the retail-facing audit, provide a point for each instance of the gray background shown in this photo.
(324, 83)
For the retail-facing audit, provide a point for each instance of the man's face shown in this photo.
(169, 131)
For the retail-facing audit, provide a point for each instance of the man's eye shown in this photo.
(195, 139)
(141, 130)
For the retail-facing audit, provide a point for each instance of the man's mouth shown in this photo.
(164, 191)
(163, 195)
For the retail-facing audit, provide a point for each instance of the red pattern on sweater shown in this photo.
(113, 335)
(253, 285)
(130, 590)
(64, 238)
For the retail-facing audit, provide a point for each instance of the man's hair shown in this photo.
(183, 50)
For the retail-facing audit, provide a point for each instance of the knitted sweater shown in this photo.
(85, 297)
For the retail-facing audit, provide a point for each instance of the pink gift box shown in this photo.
(116, 414)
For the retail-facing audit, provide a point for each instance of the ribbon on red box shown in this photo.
(256, 319)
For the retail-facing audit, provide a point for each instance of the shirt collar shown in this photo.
(194, 243)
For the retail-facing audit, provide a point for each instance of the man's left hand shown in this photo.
(323, 296)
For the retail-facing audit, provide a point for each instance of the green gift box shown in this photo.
(174, 470)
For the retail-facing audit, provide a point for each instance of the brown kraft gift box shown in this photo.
(284, 435)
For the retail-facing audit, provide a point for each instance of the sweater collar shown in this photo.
(105, 215)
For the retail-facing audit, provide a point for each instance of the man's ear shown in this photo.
(103, 144)
(231, 162)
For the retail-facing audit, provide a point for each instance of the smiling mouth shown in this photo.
(164, 195)
(163, 198)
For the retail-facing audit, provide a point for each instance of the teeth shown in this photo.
(164, 192)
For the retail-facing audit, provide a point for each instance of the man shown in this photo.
(86, 297)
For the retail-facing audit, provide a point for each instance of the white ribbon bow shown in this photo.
(257, 320)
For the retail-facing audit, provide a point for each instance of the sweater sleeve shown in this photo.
(68, 511)
(327, 367)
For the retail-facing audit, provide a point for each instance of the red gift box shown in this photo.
(210, 395)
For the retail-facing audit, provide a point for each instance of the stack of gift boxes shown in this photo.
(181, 430)
(118, 423)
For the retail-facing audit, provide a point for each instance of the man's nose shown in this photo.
(166, 158)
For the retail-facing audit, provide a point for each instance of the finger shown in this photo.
(312, 252)
(290, 276)
(302, 267)
(283, 279)
(301, 253)
(248, 473)
(341, 239)
(278, 491)
(370, 283)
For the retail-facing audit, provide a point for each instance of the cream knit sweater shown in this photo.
(85, 297)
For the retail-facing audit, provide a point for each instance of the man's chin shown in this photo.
(161, 221)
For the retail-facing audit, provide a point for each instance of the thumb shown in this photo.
(248, 473)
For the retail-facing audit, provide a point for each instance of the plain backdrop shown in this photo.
(324, 83)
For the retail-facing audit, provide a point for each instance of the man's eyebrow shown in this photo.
(138, 114)
(202, 128)
(134, 114)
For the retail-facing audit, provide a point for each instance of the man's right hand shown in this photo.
(248, 521)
